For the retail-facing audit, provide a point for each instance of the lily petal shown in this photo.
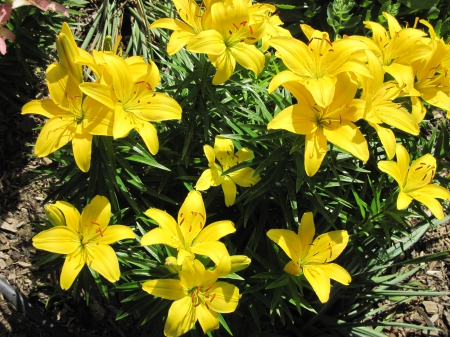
(45, 107)
(226, 299)
(181, 317)
(148, 133)
(229, 190)
(82, 148)
(97, 211)
(71, 215)
(104, 261)
(215, 231)
(56, 133)
(315, 151)
(116, 233)
(159, 236)
(244, 177)
(71, 268)
(336, 272)
(288, 241)
(208, 319)
(215, 250)
(168, 289)
(59, 240)
(204, 182)
(319, 281)
(292, 268)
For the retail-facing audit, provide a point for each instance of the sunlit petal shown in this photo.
(168, 289)
(104, 261)
(59, 240)
(288, 241)
(319, 281)
(181, 318)
(226, 299)
(229, 190)
(71, 268)
(215, 231)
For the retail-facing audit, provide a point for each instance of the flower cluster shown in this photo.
(197, 295)
(121, 99)
(224, 30)
(325, 76)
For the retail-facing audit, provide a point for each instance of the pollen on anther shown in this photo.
(190, 228)
(235, 26)
(230, 32)
(199, 288)
(251, 29)
(212, 298)
(209, 287)
(181, 222)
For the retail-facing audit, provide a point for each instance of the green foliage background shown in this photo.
(344, 194)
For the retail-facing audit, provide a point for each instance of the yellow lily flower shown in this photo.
(316, 64)
(415, 183)
(231, 40)
(397, 50)
(68, 51)
(71, 118)
(194, 22)
(224, 152)
(333, 123)
(85, 239)
(312, 258)
(127, 88)
(431, 79)
(380, 107)
(189, 236)
(196, 296)
(265, 12)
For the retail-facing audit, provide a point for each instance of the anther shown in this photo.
(212, 298)
(230, 32)
(235, 26)
(209, 287)
(251, 29)
(193, 297)
(181, 222)
(140, 82)
(190, 228)
(199, 288)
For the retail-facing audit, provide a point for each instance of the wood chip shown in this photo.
(8, 227)
(23, 264)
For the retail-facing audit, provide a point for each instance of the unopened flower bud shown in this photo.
(239, 262)
(54, 215)
(171, 265)
(67, 51)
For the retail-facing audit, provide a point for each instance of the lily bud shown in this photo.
(54, 215)
(67, 51)
(171, 265)
(239, 262)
